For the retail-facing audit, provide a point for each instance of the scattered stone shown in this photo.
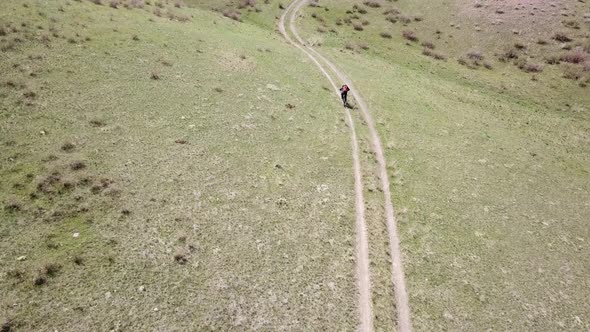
(76, 235)
(108, 295)
(141, 288)
(272, 87)
(21, 258)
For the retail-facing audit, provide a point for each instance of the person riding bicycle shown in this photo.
(343, 94)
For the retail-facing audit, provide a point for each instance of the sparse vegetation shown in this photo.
(77, 165)
(428, 45)
(174, 167)
(575, 56)
(68, 147)
(385, 35)
(372, 4)
(562, 37)
(429, 52)
(410, 35)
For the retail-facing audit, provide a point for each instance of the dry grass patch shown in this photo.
(575, 56)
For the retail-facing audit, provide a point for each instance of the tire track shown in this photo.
(398, 278)
(362, 245)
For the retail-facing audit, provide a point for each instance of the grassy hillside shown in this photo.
(491, 176)
(177, 166)
(167, 174)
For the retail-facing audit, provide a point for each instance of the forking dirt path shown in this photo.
(363, 276)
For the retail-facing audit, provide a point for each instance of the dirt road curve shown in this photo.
(401, 296)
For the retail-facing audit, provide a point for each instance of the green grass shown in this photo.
(489, 171)
(259, 199)
(490, 181)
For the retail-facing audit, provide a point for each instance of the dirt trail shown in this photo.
(401, 295)
(362, 245)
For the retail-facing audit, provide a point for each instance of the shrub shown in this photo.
(552, 60)
(385, 35)
(247, 3)
(338, 21)
(12, 206)
(542, 42)
(572, 24)
(575, 56)
(358, 27)
(475, 55)
(405, 19)
(40, 280)
(391, 11)
(372, 4)
(519, 46)
(418, 18)
(508, 55)
(6, 326)
(155, 76)
(409, 35)
(391, 18)
(68, 147)
(429, 52)
(428, 45)
(78, 260)
(362, 11)
(349, 46)
(364, 46)
(51, 270)
(114, 4)
(532, 68)
(137, 3)
(572, 73)
(562, 37)
(77, 165)
(488, 65)
(233, 14)
(180, 258)
(96, 2)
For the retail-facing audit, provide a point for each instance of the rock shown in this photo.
(141, 288)
(108, 295)
(21, 258)
(76, 235)
(272, 87)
